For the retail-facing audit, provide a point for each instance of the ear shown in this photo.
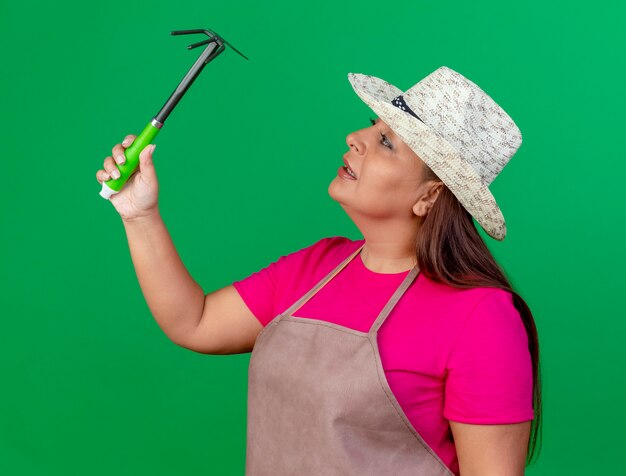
(426, 201)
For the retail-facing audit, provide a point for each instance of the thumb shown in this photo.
(146, 166)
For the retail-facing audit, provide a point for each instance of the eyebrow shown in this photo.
(391, 133)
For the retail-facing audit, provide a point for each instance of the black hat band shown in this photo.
(398, 101)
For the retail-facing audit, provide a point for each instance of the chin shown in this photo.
(335, 190)
(335, 194)
(331, 189)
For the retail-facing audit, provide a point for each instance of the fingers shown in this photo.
(118, 149)
(128, 140)
(118, 154)
(117, 157)
(102, 176)
(111, 168)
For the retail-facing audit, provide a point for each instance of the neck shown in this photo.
(389, 247)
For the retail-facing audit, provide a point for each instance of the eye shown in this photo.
(384, 140)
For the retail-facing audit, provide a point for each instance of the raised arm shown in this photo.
(219, 322)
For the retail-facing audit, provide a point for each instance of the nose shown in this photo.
(354, 140)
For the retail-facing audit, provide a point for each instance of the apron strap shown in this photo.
(394, 299)
(298, 304)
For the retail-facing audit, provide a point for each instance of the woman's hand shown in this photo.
(139, 196)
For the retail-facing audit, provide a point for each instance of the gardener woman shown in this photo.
(404, 353)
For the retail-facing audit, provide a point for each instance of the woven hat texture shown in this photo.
(456, 129)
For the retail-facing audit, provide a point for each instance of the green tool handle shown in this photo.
(128, 168)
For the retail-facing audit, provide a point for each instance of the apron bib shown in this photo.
(319, 403)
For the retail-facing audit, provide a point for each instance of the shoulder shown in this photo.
(463, 302)
(468, 315)
(492, 323)
(490, 311)
(494, 304)
(273, 288)
(324, 253)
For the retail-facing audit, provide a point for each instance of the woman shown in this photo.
(406, 352)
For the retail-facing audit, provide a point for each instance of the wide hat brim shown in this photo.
(460, 177)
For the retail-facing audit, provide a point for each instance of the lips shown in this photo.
(350, 170)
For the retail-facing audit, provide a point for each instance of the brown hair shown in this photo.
(450, 251)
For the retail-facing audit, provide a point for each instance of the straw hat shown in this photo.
(456, 129)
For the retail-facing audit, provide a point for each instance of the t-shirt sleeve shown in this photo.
(489, 370)
(262, 290)
(258, 291)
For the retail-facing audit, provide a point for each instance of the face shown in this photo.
(388, 182)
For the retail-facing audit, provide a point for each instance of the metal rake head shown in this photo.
(213, 37)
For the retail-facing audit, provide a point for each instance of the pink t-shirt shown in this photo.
(448, 354)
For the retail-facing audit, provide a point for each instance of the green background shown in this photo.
(90, 384)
